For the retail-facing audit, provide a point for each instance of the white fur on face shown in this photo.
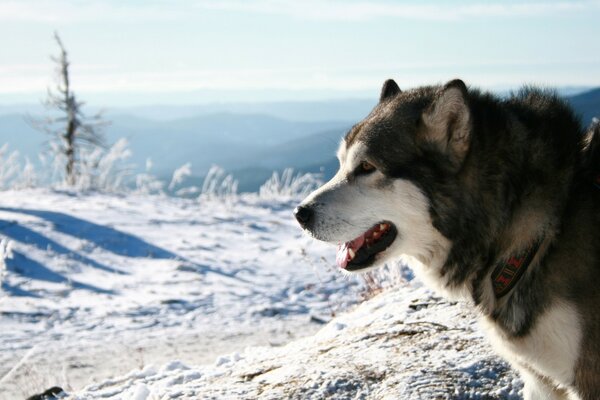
(345, 208)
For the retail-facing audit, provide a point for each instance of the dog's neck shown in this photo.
(527, 235)
(529, 218)
(506, 273)
(509, 306)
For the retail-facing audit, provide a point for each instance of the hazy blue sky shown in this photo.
(148, 51)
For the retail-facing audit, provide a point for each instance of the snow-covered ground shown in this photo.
(103, 292)
(403, 344)
(98, 285)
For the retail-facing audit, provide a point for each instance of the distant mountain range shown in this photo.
(587, 104)
(233, 141)
(229, 140)
(250, 140)
(311, 111)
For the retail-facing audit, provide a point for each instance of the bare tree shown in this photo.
(70, 128)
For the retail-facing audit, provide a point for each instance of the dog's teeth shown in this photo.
(383, 227)
(352, 253)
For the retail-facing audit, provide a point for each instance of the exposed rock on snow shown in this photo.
(403, 344)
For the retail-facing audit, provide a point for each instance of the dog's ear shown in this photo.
(389, 89)
(447, 121)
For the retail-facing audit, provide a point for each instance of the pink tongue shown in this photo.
(343, 252)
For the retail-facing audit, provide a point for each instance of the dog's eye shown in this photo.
(364, 168)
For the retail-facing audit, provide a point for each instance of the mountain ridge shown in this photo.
(250, 144)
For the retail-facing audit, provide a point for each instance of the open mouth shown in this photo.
(361, 252)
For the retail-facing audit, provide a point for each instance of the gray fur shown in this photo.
(500, 174)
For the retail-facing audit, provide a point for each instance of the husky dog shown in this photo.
(496, 200)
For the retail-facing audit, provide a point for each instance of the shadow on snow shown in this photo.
(23, 234)
(29, 268)
(103, 236)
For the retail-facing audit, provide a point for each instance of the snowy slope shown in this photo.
(98, 285)
(102, 292)
(403, 344)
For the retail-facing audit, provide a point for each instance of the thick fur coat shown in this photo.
(461, 180)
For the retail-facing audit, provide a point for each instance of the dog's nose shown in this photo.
(303, 215)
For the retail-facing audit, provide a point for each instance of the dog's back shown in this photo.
(580, 242)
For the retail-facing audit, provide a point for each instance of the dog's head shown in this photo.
(379, 204)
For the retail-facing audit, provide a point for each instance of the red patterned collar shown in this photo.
(508, 272)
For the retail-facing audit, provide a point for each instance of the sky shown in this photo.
(196, 51)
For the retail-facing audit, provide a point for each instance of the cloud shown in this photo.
(363, 10)
(58, 11)
(335, 10)
(102, 79)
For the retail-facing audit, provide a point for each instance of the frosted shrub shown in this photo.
(188, 191)
(391, 275)
(112, 173)
(85, 177)
(180, 174)
(5, 254)
(219, 185)
(9, 167)
(28, 177)
(104, 170)
(289, 185)
(146, 183)
(55, 163)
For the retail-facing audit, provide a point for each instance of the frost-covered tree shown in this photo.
(71, 130)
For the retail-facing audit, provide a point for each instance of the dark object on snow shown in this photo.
(53, 393)
(318, 320)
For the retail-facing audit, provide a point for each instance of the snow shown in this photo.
(153, 297)
(403, 344)
(99, 284)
